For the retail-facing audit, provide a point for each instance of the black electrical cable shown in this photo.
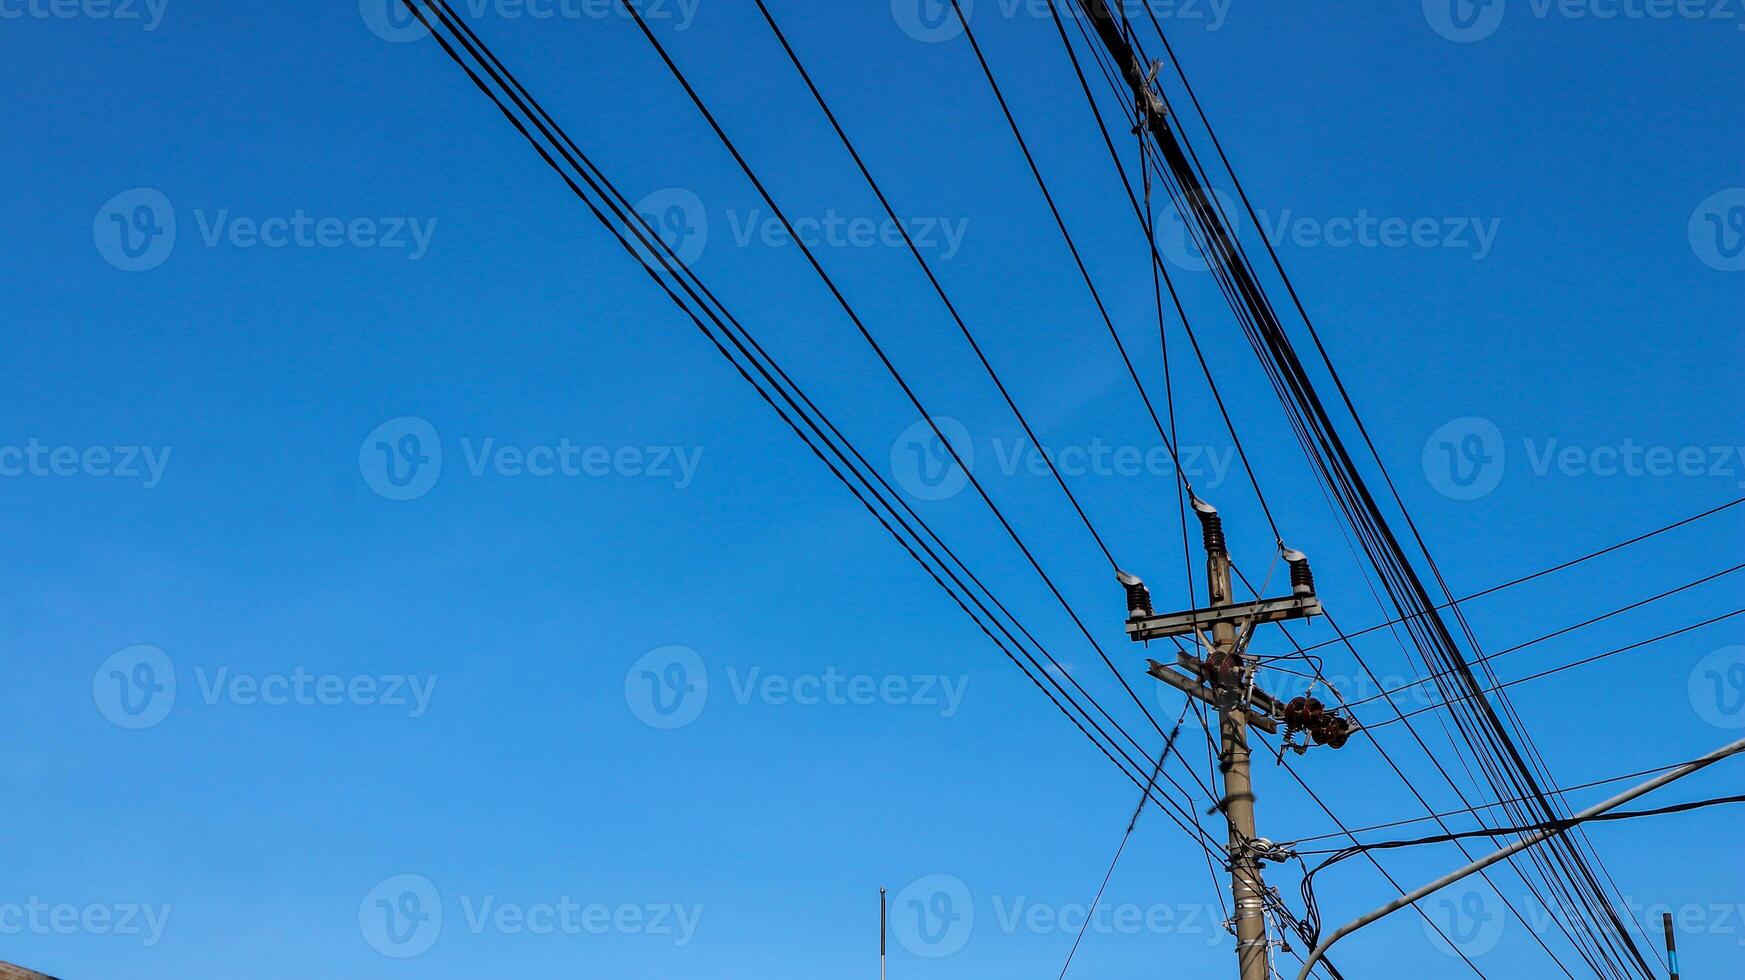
(927, 269)
(1132, 822)
(640, 226)
(1570, 629)
(1553, 569)
(1066, 235)
(1490, 806)
(1270, 339)
(1563, 824)
(842, 300)
(1425, 803)
(1585, 661)
(1158, 262)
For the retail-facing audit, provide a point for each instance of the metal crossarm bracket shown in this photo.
(1262, 708)
(1255, 613)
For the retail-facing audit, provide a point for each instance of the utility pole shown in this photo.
(1247, 889)
(1225, 680)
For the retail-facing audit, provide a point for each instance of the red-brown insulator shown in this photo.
(1297, 713)
(1336, 731)
(1217, 670)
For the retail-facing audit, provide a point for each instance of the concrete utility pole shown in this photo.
(1225, 680)
(1248, 890)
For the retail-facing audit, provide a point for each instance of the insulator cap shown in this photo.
(1212, 527)
(1302, 579)
(1138, 596)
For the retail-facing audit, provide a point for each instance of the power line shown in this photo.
(1553, 569)
(750, 173)
(1340, 854)
(1569, 629)
(1580, 663)
(1168, 745)
(1489, 806)
(614, 199)
(1488, 732)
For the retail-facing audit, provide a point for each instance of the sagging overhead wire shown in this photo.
(1554, 634)
(634, 233)
(848, 308)
(1596, 658)
(1501, 742)
(1561, 566)
(1638, 774)
(1160, 272)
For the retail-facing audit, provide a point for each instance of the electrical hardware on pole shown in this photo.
(1225, 679)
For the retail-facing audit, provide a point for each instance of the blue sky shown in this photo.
(442, 690)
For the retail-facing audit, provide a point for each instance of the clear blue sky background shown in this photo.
(263, 550)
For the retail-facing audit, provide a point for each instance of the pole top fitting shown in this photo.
(1138, 596)
(1212, 527)
(1302, 579)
